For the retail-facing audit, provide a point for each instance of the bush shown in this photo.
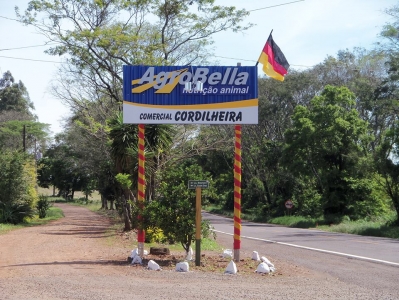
(42, 206)
(154, 235)
(17, 181)
(15, 212)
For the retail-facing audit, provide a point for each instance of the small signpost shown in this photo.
(193, 184)
(198, 185)
(289, 205)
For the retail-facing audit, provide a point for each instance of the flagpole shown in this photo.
(262, 50)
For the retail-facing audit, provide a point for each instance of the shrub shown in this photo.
(17, 181)
(154, 235)
(42, 206)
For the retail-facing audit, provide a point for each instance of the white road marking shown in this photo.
(318, 250)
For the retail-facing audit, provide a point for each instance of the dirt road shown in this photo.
(72, 258)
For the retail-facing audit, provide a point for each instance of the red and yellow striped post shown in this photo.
(141, 189)
(237, 193)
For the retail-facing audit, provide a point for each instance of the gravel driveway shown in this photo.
(72, 258)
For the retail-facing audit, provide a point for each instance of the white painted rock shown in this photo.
(152, 265)
(136, 252)
(263, 268)
(265, 260)
(227, 253)
(255, 256)
(182, 267)
(231, 268)
(137, 260)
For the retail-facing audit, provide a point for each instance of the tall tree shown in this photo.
(99, 37)
(328, 142)
(388, 166)
(14, 96)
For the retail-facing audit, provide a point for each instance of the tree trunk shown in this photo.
(126, 214)
(111, 204)
(104, 202)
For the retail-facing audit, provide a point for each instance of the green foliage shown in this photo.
(307, 200)
(54, 213)
(174, 210)
(13, 95)
(17, 179)
(327, 144)
(124, 180)
(42, 206)
(64, 167)
(386, 161)
(155, 235)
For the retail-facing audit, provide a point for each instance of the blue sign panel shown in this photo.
(190, 95)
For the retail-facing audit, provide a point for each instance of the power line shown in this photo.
(5, 49)
(275, 5)
(235, 58)
(262, 8)
(10, 19)
(58, 62)
(39, 60)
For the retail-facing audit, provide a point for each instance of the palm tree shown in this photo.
(124, 152)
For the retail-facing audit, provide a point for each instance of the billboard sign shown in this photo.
(190, 95)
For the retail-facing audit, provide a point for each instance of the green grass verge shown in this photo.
(54, 213)
(379, 227)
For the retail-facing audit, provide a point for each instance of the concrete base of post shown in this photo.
(236, 254)
(140, 248)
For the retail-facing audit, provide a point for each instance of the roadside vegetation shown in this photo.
(327, 138)
(382, 226)
(53, 213)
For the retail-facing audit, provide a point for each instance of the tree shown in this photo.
(388, 166)
(14, 96)
(17, 187)
(174, 209)
(123, 144)
(23, 135)
(99, 37)
(329, 142)
(64, 168)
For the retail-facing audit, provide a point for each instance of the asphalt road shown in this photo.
(373, 249)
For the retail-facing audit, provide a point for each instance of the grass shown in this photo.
(379, 227)
(95, 196)
(209, 244)
(53, 213)
(295, 221)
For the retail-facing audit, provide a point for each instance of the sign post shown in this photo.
(198, 185)
(141, 188)
(289, 205)
(198, 226)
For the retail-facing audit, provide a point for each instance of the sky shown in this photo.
(306, 31)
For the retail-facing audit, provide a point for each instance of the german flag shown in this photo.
(274, 63)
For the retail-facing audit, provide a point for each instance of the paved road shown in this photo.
(380, 250)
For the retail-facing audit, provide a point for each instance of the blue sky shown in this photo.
(306, 31)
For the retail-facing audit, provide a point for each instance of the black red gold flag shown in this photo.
(274, 63)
